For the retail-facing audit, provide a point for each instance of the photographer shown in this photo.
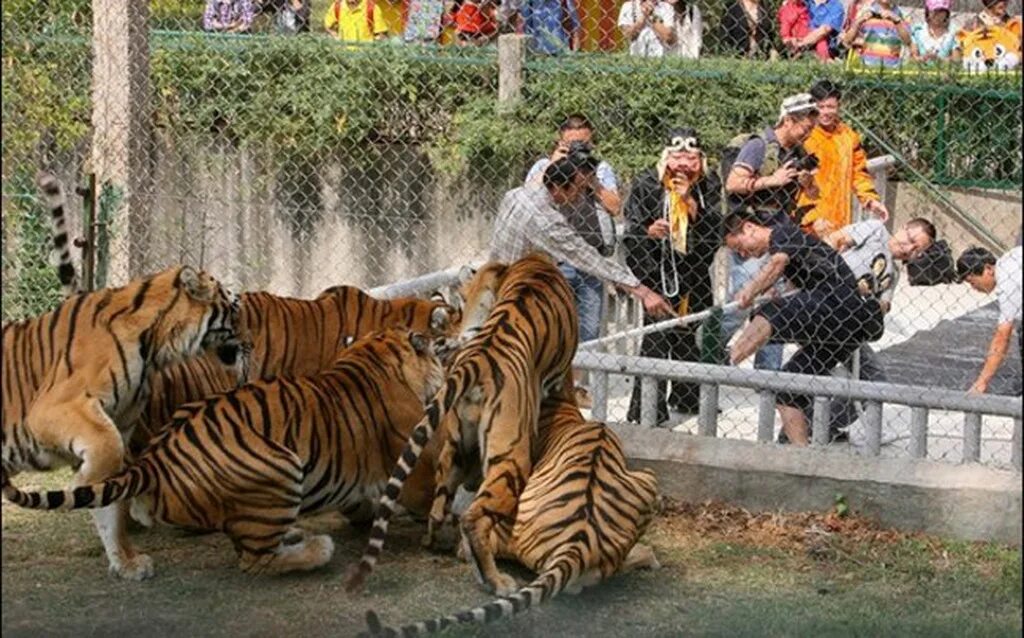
(842, 170)
(674, 228)
(765, 173)
(589, 215)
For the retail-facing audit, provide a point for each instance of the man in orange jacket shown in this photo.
(842, 169)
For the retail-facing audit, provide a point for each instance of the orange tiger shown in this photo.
(521, 354)
(250, 461)
(75, 378)
(578, 521)
(289, 337)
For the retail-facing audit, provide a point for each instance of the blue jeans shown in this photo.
(589, 293)
(742, 271)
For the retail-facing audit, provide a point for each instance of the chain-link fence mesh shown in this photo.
(249, 139)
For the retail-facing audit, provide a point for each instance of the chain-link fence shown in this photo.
(255, 141)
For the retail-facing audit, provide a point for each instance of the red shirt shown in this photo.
(472, 19)
(794, 19)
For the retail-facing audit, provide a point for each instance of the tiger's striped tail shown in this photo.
(54, 196)
(461, 379)
(545, 586)
(128, 484)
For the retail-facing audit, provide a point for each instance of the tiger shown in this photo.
(579, 519)
(74, 379)
(250, 461)
(520, 354)
(289, 337)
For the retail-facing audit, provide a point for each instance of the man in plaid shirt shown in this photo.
(529, 220)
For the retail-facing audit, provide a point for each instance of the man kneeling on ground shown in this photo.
(826, 314)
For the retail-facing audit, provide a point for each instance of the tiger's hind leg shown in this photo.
(268, 542)
(85, 429)
(640, 557)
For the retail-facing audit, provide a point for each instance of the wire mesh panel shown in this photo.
(292, 145)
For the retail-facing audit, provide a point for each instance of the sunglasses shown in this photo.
(689, 144)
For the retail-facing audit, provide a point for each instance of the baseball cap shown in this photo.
(682, 138)
(796, 104)
(973, 261)
(936, 5)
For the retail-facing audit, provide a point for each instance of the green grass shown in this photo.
(731, 575)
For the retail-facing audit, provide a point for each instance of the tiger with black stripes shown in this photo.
(75, 378)
(289, 337)
(579, 520)
(250, 461)
(520, 354)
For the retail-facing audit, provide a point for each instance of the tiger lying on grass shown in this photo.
(250, 461)
(578, 522)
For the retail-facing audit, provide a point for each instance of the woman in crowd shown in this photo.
(689, 28)
(879, 33)
(746, 30)
(933, 40)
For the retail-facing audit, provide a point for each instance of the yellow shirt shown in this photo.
(352, 25)
(842, 174)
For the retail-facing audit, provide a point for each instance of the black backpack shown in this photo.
(933, 266)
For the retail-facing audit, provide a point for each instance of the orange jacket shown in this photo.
(842, 172)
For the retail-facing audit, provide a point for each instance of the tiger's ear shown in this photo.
(439, 318)
(197, 285)
(419, 342)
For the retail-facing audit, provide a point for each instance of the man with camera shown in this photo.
(590, 215)
(764, 174)
(674, 228)
(842, 169)
(530, 218)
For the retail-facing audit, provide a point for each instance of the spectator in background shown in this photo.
(794, 25)
(842, 169)
(228, 16)
(591, 217)
(423, 24)
(983, 272)
(993, 13)
(476, 22)
(290, 16)
(760, 178)
(355, 21)
(689, 29)
(674, 228)
(878, 34)
(933, 40)
(648, 26)
(553, 24)
(826, 27)
(746, 30)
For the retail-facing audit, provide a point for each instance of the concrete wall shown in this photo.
(969, 502)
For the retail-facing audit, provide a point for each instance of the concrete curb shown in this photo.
(968, 502)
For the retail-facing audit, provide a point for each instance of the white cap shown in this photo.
(799, 103)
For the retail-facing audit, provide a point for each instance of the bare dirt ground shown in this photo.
(726, 572)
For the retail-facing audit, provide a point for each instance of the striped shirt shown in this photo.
(528, 221)
(882, 43)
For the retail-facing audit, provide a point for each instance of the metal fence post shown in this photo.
(766, 416)
(707, 420)
(819, 429)
(873, 427)
(972, 437)
(648, 401)
(599, 394)
(1015, 445)
(919, 432)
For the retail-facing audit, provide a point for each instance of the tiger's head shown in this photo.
(990, 48)
(196, 313)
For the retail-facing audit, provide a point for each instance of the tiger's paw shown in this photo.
(138, 567)
(504, 585)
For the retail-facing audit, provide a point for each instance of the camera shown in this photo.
(802, 160)
(581, 154)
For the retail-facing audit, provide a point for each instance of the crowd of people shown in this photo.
(876, 31)
(781, 203)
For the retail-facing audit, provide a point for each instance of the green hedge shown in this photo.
(311, 96)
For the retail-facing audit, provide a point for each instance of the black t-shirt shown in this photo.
(813, 264)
